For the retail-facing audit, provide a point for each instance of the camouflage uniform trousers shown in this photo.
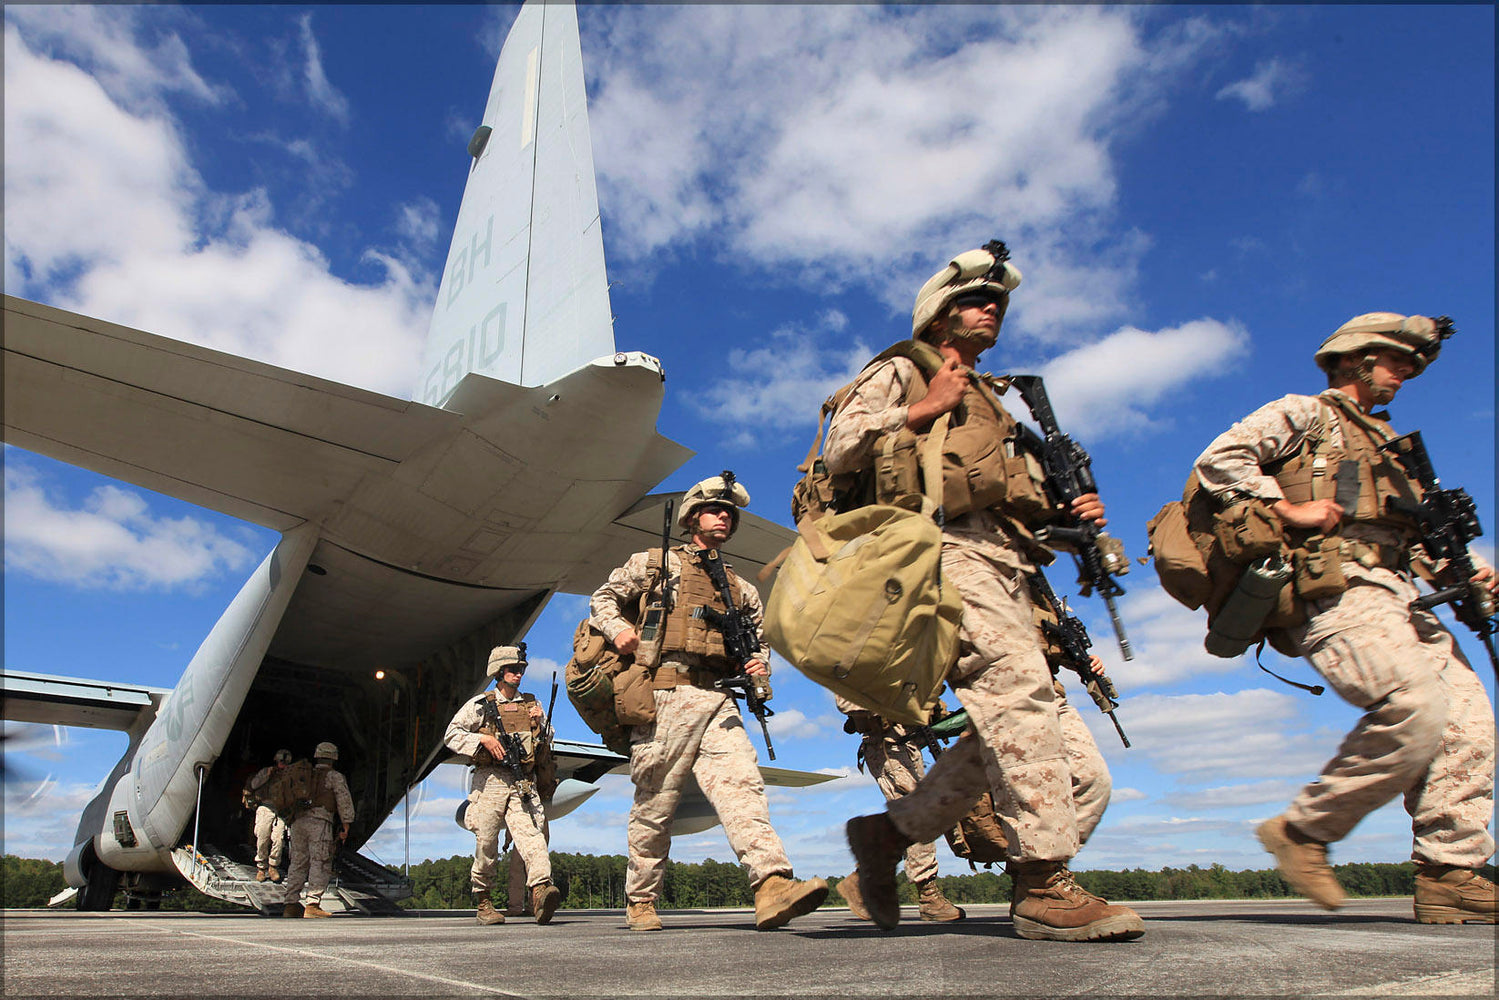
(1002, 678)
(1427, 731)
(270, 837)
(897, 767)
(697, 733)
(497, 804)
(311, 858)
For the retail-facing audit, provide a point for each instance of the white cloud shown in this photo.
(106, 215)
(111, 541)
(1254, 733)
(878, 140)
(772, 387)
(1121, 795)
(322, 93)
(1107, 387)
(1235, 796)
(1271, 81)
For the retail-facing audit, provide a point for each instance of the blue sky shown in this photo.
(1197, 196)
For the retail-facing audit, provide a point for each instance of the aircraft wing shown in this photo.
(75, 701)
(257, 442)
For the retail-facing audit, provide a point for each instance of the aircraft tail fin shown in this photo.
(524, 297)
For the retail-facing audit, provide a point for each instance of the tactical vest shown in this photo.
(693, 589)
(984, 464)
(515, 717)
(1314, 472)
(322, 794)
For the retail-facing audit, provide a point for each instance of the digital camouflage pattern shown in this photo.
(313, 843)
(1428, 729)
(498, 802)
(697, 732)
(270, 838)
(1001, 676)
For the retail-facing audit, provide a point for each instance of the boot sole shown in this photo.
(798, 908)
(1120, 928)
(549, 904)
(944, 920)
(1437, 914)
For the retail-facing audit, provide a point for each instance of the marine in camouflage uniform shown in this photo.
(1427, 732)
(1001, 677)
(502, 799)
(312, 837)
(697, 732)
(270, 829)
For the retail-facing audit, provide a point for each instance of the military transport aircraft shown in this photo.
(415, 535)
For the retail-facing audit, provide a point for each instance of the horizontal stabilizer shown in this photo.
(74, 701)
(257, 442)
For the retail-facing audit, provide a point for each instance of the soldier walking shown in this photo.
(697, 731)
(507, 736)
(270, 829)
(1427, 732)
(993, 499)
(312, 837)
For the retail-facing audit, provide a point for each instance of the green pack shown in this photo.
(861, 607)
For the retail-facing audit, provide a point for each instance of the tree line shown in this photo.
(591, 881)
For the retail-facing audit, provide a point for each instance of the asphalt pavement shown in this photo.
(1208, 948)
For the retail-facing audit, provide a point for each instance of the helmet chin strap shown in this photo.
(1365, 373)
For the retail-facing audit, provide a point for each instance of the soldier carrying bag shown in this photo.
(289, 791)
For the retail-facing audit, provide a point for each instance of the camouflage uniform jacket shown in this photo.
(877, 407)
(613, 605)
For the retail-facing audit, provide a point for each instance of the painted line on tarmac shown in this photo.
(460, 984)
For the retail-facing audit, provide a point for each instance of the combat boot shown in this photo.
(291, 910)
(642, 917)
(934, 905)
(780, 900)
(1302, 861)
(1448, 895)
(848, 888)
(273, 874)
(484, 911)
(878, 847)
(545, 898)
(314, 910)
(260, 875)
(1047, 905)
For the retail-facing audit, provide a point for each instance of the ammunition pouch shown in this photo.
(1248, 531)
(897, 475)
(862, 723)
(1319, 568)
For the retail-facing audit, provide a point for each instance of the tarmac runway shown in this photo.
(1210, 948)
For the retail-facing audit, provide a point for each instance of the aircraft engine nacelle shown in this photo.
(570, 794)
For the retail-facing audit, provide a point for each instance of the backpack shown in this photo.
(1201, 551)
(978, 837)
(861, 607)
(589, 676)
(290, 790)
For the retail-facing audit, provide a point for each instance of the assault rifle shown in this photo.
(741, 641)
(1070, 635)
(512, 747)
(1448, 520)
(1069, 475)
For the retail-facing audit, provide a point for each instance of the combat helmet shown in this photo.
(283, 757)
(987, 269)
(506, 656)
(723, 489)
(1417, 337)
(325, 751)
